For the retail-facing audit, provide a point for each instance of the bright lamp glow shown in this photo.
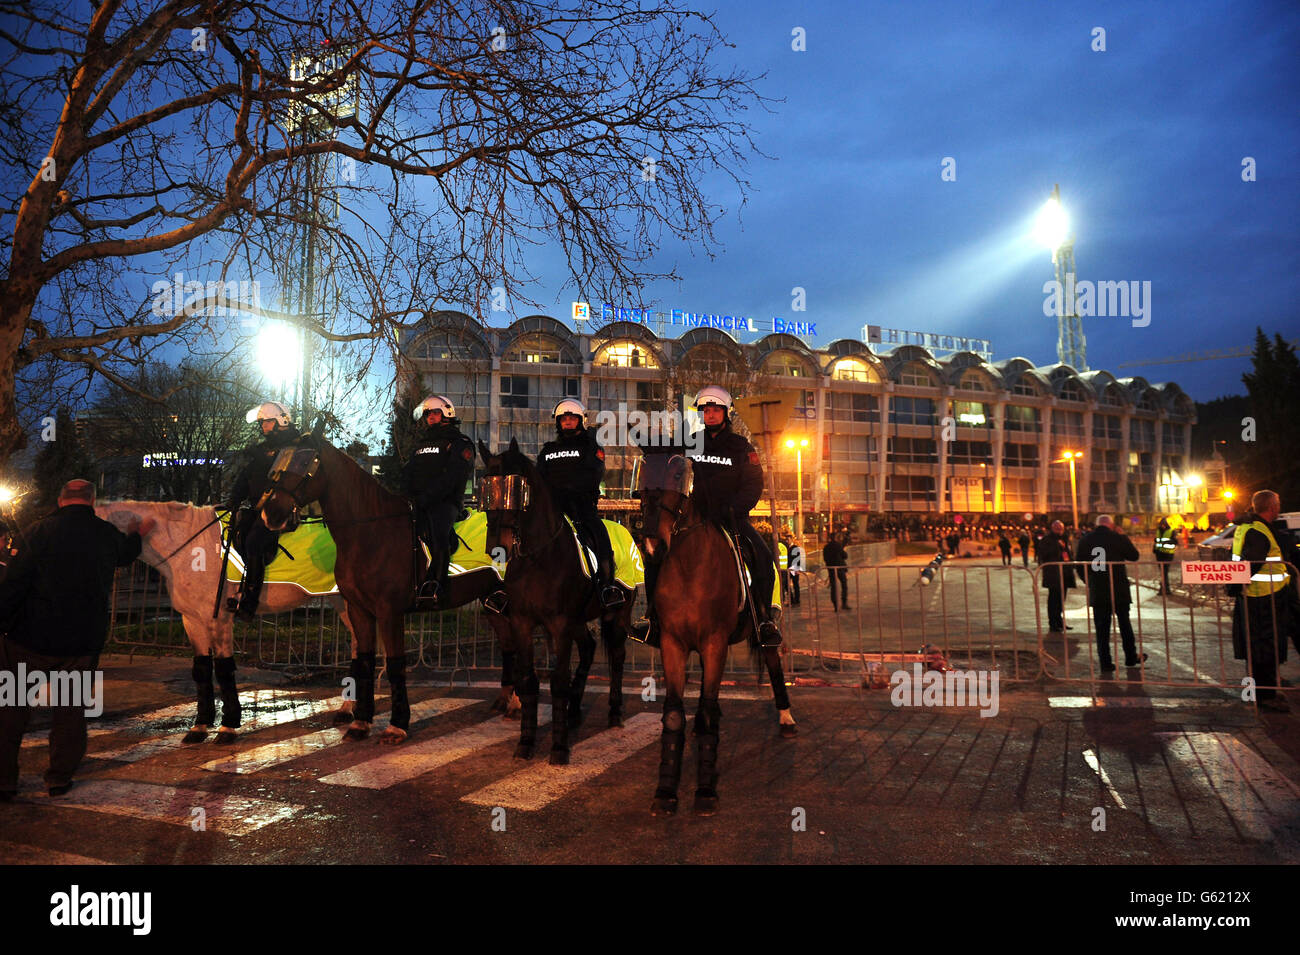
(278, 353)
(6, 494)
(1053, 224)
(1195, 481)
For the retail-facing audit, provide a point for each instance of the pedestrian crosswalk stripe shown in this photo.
(14, 853)
(272, 754)
(146, 721)
(416, 759)
(541, 784)
(299, 709)
(222, 812)
(1261, 801)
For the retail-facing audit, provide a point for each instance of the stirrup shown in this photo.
(495, 602)
(768, 634)
(611, 598)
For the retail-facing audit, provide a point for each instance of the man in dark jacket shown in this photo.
(254, 540)
(1004, 545)
(573, 465)
(1023, 542)
(54, 605)
(1054, 549)
(836, 560)
(440, 465)
(728, 483)
(1104, 549)
(1266, 608)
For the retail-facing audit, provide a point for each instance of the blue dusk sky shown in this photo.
(1146, 139)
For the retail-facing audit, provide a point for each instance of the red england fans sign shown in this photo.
(1216, 572)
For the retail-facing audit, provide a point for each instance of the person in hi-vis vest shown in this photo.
(1266, 609)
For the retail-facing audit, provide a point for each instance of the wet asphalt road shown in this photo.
(1188, 777)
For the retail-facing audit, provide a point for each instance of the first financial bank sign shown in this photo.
(684, 319)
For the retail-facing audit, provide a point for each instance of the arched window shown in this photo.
(625, 354)
(536, 348)
(784, 364)
(915, 373)
(854, 369)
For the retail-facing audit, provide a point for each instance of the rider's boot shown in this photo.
(611, 598)
(769, 635)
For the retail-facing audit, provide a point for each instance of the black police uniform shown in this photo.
(728, 483)
(573, 466)
(435, 478)
(256, 542)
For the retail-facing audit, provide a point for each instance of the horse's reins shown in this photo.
(194, 535)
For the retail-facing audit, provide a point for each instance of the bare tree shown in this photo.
(176, 147)
(182, 445)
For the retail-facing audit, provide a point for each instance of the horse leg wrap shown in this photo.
(560, 714)
(202, 673)
(230, 709)
(363, 672)
(400, 716)
(527, 689)
(507, 667)
(706, 746)
(671, 744)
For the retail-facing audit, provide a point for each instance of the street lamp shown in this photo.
(1070, 456)
(797, 447)
(279, 355)
(1052, 229)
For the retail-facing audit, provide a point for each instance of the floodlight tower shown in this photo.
(1053, 230)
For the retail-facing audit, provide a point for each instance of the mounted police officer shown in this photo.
(573, 466)
(728, 482)
(255, 541)
(440, 465)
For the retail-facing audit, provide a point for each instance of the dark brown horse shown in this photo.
(546, 587)
(374, 569)
(701, 608)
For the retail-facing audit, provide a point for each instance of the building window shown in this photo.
(847, 406)
(915, 373)
(1067, 423)
(852, 447)
(914, 411)
(971, 414)
(785, 364)
(910, 492)
(971, 452)
(912, 451)
(1025, 386)
(1070, 391)
(851, 369)
(1021, 418)
(1106, 426)
(972, 381)
(1020, 455)
(514, 391)
(535, 349)
(625, 354)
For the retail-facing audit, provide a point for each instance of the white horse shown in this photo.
(185, 546)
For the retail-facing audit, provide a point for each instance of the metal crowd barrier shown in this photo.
(970, 617)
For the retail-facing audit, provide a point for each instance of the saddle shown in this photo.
(744, 559)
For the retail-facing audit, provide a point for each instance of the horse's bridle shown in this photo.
(290, 462)
(680, 481)
(502, 494)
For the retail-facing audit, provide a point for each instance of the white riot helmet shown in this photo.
(569, 406)
(435, 403)
(713, 395)
(269, 411)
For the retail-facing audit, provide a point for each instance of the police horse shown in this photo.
(185, 548)
(697, 611)
(377, 568)
(545, 586)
